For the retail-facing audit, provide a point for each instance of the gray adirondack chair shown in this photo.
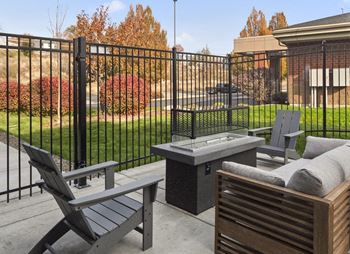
(283, 137)
(101, 219)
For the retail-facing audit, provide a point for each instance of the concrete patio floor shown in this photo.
(23, 222)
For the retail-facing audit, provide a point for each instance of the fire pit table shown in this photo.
(191, 166)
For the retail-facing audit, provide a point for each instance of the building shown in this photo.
(305, 60)
(300, 47)
(258, 47)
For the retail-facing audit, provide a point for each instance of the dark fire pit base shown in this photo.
(191, 187)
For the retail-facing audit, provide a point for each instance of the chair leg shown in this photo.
(50, 238)
(286, 157)
(147, 236)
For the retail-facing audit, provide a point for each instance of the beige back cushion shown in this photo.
(322, 174)
(253, 173)
(316, 146)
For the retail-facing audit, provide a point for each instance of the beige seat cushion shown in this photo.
(253, 173)
(322, 174)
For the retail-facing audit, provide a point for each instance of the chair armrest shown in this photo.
(107, 167)
(40, 183)
(89, 200)
(253, 132)
(288, 137)
(293, 134)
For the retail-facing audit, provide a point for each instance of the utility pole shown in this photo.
(175, 22)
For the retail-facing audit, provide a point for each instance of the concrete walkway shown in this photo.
(23, 222)
(9, 167)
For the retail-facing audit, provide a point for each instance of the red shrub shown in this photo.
(12, 96)
(131, 95)
(41, 90)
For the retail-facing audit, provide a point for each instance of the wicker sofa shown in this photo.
(272, 217)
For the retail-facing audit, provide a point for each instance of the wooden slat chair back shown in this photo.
(257, 217)
(59, 188)
(284, 136)
(286, 122)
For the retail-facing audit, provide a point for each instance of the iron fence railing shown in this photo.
(312, 79)
(87, 103)
(36, 105)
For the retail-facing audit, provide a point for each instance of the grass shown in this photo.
(129, 143)
(311, 120)
(122, 141)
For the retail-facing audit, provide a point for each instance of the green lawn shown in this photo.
(132, 141)
(311, 119)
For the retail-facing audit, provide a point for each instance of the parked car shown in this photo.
(222, 88)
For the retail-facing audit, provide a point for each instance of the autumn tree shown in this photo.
(278, 20)
(69, 33)
(256, 25)
(97, 28)
(141, 29)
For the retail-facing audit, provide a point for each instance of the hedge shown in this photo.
(40, 96)
(10, 93)
(41, 90)
(131, 95)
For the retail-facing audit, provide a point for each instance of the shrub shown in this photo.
(156, 94)
(131, 95)
(12, 96)
(41, 91)
(280, 98)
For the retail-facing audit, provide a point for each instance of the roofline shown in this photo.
(252, 37)
(313, 33)
(306, 28)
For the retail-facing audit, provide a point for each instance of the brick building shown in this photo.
(305, 60)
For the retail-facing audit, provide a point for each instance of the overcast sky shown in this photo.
(214, 23)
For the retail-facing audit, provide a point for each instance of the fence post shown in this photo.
(80, 107)
(174, 76)
(324, 86)
(229, 112)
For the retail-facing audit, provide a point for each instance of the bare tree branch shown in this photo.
(56, 25)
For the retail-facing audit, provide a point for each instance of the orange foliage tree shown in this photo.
(278, 21)
(253, 79)
(256, 23)
(139, 29)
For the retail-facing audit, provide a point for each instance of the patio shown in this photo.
(23, 222)
(301, 91)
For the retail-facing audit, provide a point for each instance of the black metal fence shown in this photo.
(87, 103)
(36, 105)
(313, 79)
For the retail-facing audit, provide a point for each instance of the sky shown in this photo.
(200, 23)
